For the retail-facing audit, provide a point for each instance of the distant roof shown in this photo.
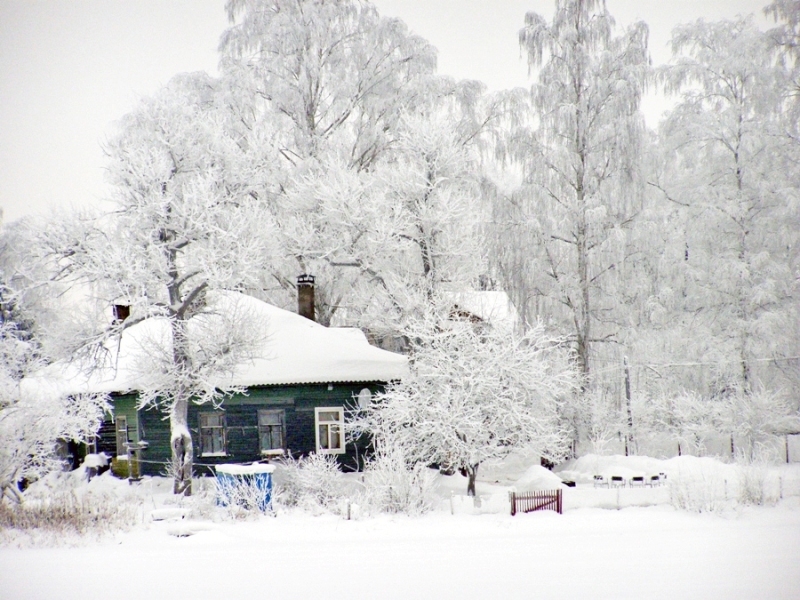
(295, 350)
(491, 306)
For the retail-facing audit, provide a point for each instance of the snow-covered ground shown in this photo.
(457, 551)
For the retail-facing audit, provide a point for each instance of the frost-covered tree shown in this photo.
(786, 40)
(183, 228)
(565, 229)
(730, 172)
(335, 76)
(431, 201)
(329, 81)
(754, 419)
(368, 144)
(33, 420)
(474, 393)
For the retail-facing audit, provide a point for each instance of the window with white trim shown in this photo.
(271, 430)
(329, 423)
(212, 434)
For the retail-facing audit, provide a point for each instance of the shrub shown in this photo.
(66, 512)
(313, 482)
(700, 491)
(393, 486)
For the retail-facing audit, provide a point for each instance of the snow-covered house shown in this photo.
(298, 388)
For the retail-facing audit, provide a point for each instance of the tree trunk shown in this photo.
(472, 474)
(182, 451)
(629, 437)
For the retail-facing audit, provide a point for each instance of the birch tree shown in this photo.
(785, 38)
(578, 154)
(730, 174)
(335, 74)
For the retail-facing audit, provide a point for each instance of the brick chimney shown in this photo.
(305, 296)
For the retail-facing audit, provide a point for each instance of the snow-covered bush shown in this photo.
(755, 419)
(752, 485)
(474, 393)
(64, 504)
(391, 485)
(700, 492)
(30, 428)
(34, 418)
(313, 482)
(67, 512)
(753, 467)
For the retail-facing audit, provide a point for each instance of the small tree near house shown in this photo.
(33, 419)
(474, 393)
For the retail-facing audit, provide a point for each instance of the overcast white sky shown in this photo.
(69, 69)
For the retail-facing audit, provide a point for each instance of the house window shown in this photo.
(271, 431)
(330, 430)
(212, 434)
(122, 435)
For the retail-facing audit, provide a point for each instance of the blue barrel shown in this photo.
(245, 485)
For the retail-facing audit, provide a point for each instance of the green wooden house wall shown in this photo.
(241, 424)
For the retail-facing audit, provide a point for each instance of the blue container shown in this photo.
(248, 486)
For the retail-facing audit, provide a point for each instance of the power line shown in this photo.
(619, 366)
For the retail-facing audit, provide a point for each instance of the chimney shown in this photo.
(121, 312)
(305, 296)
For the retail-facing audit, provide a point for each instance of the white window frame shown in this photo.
(222, 430)
(328, 425)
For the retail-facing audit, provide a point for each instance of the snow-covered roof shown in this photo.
(301, 351)
(491, 306)
(292, 350)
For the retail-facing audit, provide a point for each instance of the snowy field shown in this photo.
(456, 551)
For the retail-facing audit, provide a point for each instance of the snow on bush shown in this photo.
(31, 424)
(312, 482)
(62, 505)
(702, 489)
(474, 394)
(33, 419)
(391, 485)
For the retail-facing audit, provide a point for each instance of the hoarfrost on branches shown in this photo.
(474, 393)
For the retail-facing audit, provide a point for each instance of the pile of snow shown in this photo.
(239, 470)
(509, 469)
(538, 478)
